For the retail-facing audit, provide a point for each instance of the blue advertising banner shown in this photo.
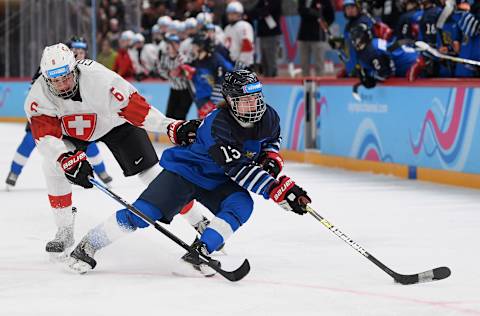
(416, 126)
(285, 98)
(12, 96)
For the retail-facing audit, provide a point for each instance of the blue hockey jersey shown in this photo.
(224, 151)
(382, 60)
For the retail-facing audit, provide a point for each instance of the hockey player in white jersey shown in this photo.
(239, 36)
(75, 103)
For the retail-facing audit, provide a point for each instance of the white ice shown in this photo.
(298, 266)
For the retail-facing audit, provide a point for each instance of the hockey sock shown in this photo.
(106, 233)
(95, 158)
(216, 233)
(24, 151)
(192, 214)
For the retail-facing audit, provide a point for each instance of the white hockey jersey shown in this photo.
(185, 51)
(239, 41)
(149, 56)
(107, 101)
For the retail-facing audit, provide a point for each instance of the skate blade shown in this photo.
(77, 266)
(184, 269)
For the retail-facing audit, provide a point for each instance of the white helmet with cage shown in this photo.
(59, 69)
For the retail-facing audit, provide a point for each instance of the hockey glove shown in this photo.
(77, 168)
(271, 162)
(183, 132)
(290, 196)
(187, 71)
(205, 109)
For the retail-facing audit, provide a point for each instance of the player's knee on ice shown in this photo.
(127, 219)
(234, 211)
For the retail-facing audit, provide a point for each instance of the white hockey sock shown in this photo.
(194, 216)
(63, 216)
(106, 233)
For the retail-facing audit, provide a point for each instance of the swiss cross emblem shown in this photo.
(80, 126)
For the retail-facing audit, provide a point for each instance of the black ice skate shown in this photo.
(11, 180)
(105, 177)
(81, 259)
(63, 240)
(191, 264)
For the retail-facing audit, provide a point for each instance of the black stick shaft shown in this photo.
(350, 242)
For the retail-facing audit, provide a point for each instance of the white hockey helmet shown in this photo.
(164, 20)
(204, 18)
(174, 27)
(191, 23)
(127, 35)
(59, 69)
(138, 38)
(234, 7)
(155, 29)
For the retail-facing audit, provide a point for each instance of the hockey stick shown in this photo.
(422, 46)
(233, 276)
(427, 276)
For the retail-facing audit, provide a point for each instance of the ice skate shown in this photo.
(191, 265)
(200, 228)
(11, 180)
(64, 239)
(81, 259)
(106, 178)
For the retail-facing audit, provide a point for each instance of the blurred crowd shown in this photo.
(378, 39)
(409, 38)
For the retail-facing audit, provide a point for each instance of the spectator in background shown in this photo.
(123, 64)
(239, 36)
(267, 14)
(107, 55)
(151, 14)
(137, 54)
(315, 17)
(193, 7)
(113, 33)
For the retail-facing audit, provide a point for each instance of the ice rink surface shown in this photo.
(298, 266)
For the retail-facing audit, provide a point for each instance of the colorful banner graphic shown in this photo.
(415, 126)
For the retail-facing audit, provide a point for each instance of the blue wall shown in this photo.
(434, 127)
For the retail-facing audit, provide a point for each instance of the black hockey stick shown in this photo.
(233, 276)
(427, 276)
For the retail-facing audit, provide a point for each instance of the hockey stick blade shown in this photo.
(427, 276)
(233, 276)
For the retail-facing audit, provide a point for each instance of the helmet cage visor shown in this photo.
(64, 86)
(248, 108)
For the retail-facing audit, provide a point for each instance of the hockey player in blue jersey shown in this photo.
(206, 73)
(407, 25)
(79, 47)
(469, 25)
(380, 59)
(235, 153)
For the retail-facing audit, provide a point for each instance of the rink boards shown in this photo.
(425, 131)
